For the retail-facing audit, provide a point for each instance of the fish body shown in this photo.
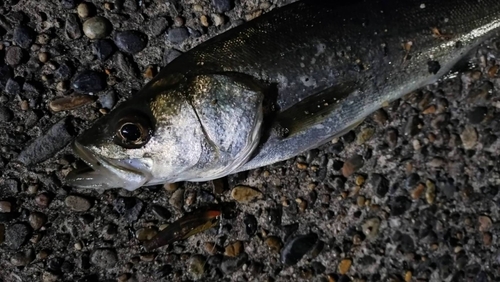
(281, 84)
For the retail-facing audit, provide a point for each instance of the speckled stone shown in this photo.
(245, 194)
(297, 247)
(23, 258)
(131, 41)
(77, 203)
(97, 27)
(16, 235)
(177, 35)
(37, 220)
(14, 55)
(104, 258)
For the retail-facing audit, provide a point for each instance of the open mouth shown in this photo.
(101, 173)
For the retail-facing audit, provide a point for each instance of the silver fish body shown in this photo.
(277, 86)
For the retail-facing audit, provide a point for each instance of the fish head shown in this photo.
(195, 129)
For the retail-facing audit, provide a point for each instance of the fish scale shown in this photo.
(324, 65)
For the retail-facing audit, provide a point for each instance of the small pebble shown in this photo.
(176, 200)
(83, 10)
(145, 234)
(130, 208)
(296, 248)
(71, 102)
(5, 206)
(487, 238)
(344, 266)
(210, 247)
(204, 21)
(360, 201)
(218, 19)
(43, 57)
(14, 55)
(417, 192)
(171, 187)
(42, 39)
(6, 114)
(103, 49)
(436, 162)
(109, 231)
(77, 203)
(42, 200)
(108, 100)
(72, 28)
(399, 205)
(477, 115)
(12, 87)
(23, 36)
(161, 212)
(16, 235)
(274, 243)
(370, 227)
(430, 110)
(178, 21)
(88, 82)
(148, 257)
(408, 276)
(69, 4)
(104, 258)
(234, 249)
(230, 265)
(37, 220)
(131, 41)
(45, 146)
(97, 27)
(485, 223)
(250, 224)
(177, 35)
(196, 267)
(430, 192)
(62, 86)
(78, 246)
(245, 194)
(222, 6)
(158, 26)
(23, 258)
(352, 165)
(380, 117)
(379, 184)
(364, 135)
(469, 137)
(64, 72)
(149, 73)
(360, 180)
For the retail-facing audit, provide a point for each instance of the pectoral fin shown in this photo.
(312, 110)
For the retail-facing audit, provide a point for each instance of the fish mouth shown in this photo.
(103, 173)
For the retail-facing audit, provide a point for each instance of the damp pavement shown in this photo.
(409, 195)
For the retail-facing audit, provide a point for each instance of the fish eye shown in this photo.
(133, 132)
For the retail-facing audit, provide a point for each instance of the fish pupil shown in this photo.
(131, 132)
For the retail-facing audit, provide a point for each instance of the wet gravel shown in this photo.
(410, 195)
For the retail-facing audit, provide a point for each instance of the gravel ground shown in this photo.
(410, 195)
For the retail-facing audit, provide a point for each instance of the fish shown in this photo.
(277, 86)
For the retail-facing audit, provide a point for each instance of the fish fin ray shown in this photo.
(312, 110)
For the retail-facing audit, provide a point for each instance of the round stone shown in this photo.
(77, 203)
(131, 41)
(104, 258)
(97, 27)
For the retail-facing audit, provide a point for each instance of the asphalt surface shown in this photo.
(409, 195)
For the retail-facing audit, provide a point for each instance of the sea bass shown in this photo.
(277, 86)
